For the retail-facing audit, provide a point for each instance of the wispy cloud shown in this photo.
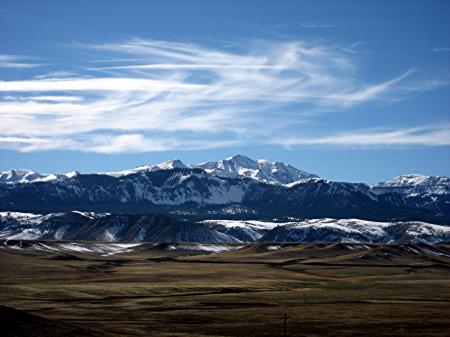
(159, 95)
(15, 61)
(95, 84)
(431, 135)
(441, 49)
(133, 142)
(55, 98)
(312, 24)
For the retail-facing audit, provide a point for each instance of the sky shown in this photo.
(349, 90)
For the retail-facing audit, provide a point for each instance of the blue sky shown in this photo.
(349, 90)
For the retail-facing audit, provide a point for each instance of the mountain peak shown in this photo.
(171, 164)
(239, 157)
(261, 169)
(239, 160)
(72, 174)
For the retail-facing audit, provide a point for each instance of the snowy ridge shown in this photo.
(140, 228)
(331, 230)
(415, 184)
(23, 176)
(358, 231)
(167, 165)
(19, 176)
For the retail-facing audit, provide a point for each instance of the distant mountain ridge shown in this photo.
(235, 166)
(237, 187)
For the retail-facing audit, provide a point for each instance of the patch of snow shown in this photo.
(105, 249)
(114, 248)
(27, 234)
(254, 224)
(75, 247)
(19, 216)
(435, 252)
(167, 165)
(59, 234)
(205, 247)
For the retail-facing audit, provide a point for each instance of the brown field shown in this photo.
(325, 290)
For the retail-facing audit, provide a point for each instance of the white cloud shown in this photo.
(166, 95)
(369, 92)
(430, 135)
(56, 98)
(140, 143)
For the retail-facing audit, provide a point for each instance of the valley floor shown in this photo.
(188, 290)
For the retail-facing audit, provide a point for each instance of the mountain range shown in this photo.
(234, 188)
(235, 166)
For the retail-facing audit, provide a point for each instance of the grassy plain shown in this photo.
(325, 290)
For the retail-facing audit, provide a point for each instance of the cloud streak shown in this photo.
(430, 135)
(441, 49)
(15, 61)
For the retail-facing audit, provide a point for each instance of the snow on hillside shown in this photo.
(356, 230)
(212, 248)
(104, 249)
(243, 231)
(24, 226)
(264, 225)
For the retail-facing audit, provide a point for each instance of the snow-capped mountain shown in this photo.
(158, 228)
(263, 170)
(236, 188)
